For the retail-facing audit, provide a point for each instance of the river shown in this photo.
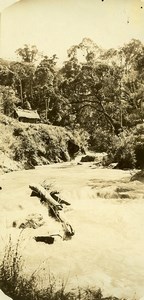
(107, 214)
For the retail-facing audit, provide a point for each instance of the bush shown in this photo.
(139, 153)
(82, 138)
(126, 149)
(122, 151)
(100, 140)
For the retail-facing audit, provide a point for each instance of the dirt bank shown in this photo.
(25, 145)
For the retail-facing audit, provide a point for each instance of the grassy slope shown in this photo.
(24, 145)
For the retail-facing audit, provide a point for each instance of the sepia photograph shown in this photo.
(71, 149)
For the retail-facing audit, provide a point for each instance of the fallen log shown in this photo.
(47, 239)
(45, 196)
(58, 199)
(54, 208)
(44, 239)
(67, 228)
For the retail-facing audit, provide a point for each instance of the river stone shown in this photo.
(31, 221)
(138, 176)
(124, 196)
(88, 158)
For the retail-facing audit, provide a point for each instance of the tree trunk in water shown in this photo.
(54, 209)
(45, 196)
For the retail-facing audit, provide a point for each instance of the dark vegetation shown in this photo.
(29, 145)
(100, 94)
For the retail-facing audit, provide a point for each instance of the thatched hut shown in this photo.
(24, 115)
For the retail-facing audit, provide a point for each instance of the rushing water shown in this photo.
(107, 248)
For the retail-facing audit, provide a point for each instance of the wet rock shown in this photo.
(138, 176)
(31, 221)
(44, 239)
(121, 189)
(107, 192)
(124, 196)
(113, 166)
(28, 166)
(88, 158)
(113, 192)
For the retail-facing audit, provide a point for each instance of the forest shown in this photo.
(100, 92)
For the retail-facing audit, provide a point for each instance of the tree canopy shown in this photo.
(93, 88)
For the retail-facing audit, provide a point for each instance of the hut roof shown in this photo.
(28, 114)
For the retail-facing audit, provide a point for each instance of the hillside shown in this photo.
(24, 145)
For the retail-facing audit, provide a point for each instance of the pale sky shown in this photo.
(55, 25)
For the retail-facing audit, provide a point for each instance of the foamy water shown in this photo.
(107, 248)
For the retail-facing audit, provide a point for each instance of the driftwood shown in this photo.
(55, 206)
(44, 239)
(45, 196)
(58, 199)
(53, 194)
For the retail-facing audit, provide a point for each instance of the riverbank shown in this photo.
(25, 145)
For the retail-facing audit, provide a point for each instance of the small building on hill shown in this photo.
(25, 115)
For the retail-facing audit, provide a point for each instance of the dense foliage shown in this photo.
(24, 145)
(100, 91)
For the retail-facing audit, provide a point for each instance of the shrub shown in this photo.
(139, 153)
(18, 131)
(139, 145)
(82, 138)
(122, 151)
(100, 140)
(24, 148)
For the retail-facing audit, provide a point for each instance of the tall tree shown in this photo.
(23, 76)
(93, 91)
(8, 100)
(28, 53)
(47, 94)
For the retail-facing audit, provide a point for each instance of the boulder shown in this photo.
(88, 158)
(31, 221)
(113, 166)
(44, 239)
(124, 196)
(138, 176)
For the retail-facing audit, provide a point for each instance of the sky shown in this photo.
(5, 3)
(55, 25)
